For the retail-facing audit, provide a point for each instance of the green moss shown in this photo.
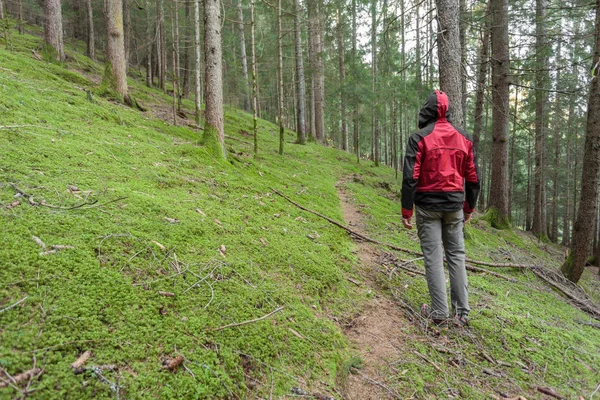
(212, 142)
(496, 219)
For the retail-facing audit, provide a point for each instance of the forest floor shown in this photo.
(122, 236)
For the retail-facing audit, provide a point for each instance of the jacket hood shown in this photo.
(436, 107)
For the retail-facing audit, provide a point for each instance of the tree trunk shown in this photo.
(300, 83)
(558, 115)
(354, 91)
(160, 47)
(176, 50)
(150, 45)
(280, 76)
(481, 80)
(418, 76)
(584, 228)
(76, 30)
(127, 32)
(463, 25)
(214, 134)
(240, 16)
(197, 84)
(498, 198)
(566, 240)
(539, 211)
(1, 9)
(115, 48)
(53, 34)
(254, 80)
(449, 56)
(320, 75)
(374, 130)
(91, 39)
(342, 65)
(19, 16)
(513, 139)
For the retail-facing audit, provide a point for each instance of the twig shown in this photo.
(22, 377)
(250, 321)
(593, 325)
(376, 383)
(438, 369)
(14, 305)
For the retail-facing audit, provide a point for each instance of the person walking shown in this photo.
(440, 178)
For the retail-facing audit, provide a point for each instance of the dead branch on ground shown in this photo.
(20, 378)
(249, 321)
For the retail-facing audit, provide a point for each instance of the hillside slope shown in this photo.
(169, 253)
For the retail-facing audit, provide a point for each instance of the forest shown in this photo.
(242, 107)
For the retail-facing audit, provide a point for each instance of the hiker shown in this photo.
(441, 180)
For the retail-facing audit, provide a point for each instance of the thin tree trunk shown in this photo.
(214, 134)
(280, 76)
(584, 229)
(374, 128)
(500, 111)
(240, 16)
(529, 211)
(176, 49)
(558, 115)
(91, 35)
(115, 47)
(513, 140)
(566, 241)
(342, 65)
(127, 32)
(418, 76)
(463, 24)
(53, 34)
(354, 92)
(1, 9)
(254, 80)
(449, 54)
(539, 211)
(300, 83)
(160, 47)
(483, 64)
(185, 85)
(19, 16)
(197, 68)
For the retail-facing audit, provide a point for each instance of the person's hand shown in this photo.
(406, 223)
(468, 217)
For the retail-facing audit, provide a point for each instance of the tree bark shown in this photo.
(449, 56)
(463, 25)
(115, 47)
(254, 81)
(127, 32)
(197, 67)
(584, 227)
(342, 65)
(558, 115)
(374, 128)
(498, 198)
(214, 134)
(483, 63)
(355, 126)
(91, 34)
(1, 9)
(539, 210)
(185, 84)
(150, 45)
(240, 13)
(77, 31)
(300, 83)
(161, 57)
(53, 34)
(19, 16)
(280, 76)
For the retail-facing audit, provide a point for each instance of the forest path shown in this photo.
(378, 333)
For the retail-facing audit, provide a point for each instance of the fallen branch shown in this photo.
(85, 205)
(22, 377)
(250, 321)
(487, 271)
(376, 383)
(549, 392)
(593, 325)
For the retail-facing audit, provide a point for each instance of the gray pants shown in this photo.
(436, 229)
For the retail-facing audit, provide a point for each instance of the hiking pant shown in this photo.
(437, 228)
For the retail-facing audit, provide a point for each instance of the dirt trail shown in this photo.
(378, 332)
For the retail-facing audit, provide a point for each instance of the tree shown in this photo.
(541, 76)
(449, 56)
(240, 14)
(483, 64)
(584, 230)
(498, 198)
(53, 34)
(280, 78)
(197, 86)
(342, 65)
(1, 9)
(115, 76)
(214, 130)
(91, 40)
(255, 104)
(316, 39)
(374, 131)
(300, 84)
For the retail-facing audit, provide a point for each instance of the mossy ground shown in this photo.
(180, 206)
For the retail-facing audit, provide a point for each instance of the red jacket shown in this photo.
(440, 166)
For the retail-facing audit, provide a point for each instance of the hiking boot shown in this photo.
(426, 313)
(461, 321)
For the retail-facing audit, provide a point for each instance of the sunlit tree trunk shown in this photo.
(197, 66)
(115, 47)
(300, 82)
(255, 104)
(280, 78)
(342, 65)
(240, 16)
